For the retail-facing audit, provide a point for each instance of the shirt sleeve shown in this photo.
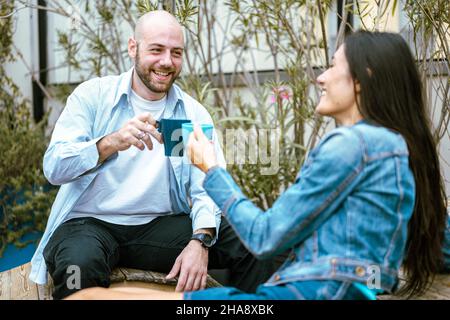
(72, 151)
(205, 213)
(329, 175)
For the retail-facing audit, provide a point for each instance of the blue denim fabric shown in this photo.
(299, 290)
(344, 218)
(446, 247)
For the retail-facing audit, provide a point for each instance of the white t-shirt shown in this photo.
(142, 177)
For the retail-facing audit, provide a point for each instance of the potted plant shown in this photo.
(25, 195)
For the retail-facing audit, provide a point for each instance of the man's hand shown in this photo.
(136, 132)
(192, 265)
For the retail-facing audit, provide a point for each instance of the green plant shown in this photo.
(282, 121)
(430, 30)
(289, 36)
(25, 197)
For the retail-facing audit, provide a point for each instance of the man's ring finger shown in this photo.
(141, 135)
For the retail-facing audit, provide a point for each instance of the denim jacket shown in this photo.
(344, 218)
(99, 107)
(446, 246)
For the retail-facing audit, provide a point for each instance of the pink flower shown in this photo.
(273, 99)
(282, 93)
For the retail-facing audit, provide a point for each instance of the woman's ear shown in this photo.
(357, 87)
(358, 84)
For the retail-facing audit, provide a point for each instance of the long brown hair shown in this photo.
(391, 95)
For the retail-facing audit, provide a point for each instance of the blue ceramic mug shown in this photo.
(187, 128)
(172, 136)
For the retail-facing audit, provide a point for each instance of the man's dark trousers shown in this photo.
(96, 247)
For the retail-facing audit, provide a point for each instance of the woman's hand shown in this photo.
(200, 150)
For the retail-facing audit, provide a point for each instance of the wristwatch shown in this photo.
(205, 239)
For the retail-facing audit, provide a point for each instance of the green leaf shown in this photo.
(145, 6)
(394, 7)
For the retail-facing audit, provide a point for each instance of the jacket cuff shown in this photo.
(206, 222)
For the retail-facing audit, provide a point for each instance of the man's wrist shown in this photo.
(105, 148)
(198, 243)
(205, 239)
(210, 231)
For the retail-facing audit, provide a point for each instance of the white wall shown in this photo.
(59, 72)
(24, 21)
(436, 106)
(444, 154)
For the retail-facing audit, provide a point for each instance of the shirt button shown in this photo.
(277, 277)
(360, 271)
(333, 261)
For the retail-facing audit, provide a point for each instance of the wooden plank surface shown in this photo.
(124, 278)
(151, 277)
(145, 285)
(16, 285)
(5, 285)
(45, 291)
(23, 288)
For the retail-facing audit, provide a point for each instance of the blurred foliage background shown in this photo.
(294, 37)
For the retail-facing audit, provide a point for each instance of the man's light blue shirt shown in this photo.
(95, 109)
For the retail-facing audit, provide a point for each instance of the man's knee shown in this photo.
(88, 256)
(73, 268)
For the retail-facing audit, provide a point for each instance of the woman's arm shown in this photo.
(328, 177)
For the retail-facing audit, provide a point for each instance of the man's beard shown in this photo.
(145, 76)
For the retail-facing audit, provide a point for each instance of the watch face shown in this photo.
(204, 238)
(207, 240)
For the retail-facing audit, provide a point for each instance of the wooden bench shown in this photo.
(15, 285)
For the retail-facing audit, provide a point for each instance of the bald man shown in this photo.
(122, 202)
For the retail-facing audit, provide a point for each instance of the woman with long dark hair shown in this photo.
(368, 200)
(392, 97)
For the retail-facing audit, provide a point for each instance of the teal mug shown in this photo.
(172, 136)
(187, 128)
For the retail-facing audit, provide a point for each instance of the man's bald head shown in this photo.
(154, 20)
(157, 52)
